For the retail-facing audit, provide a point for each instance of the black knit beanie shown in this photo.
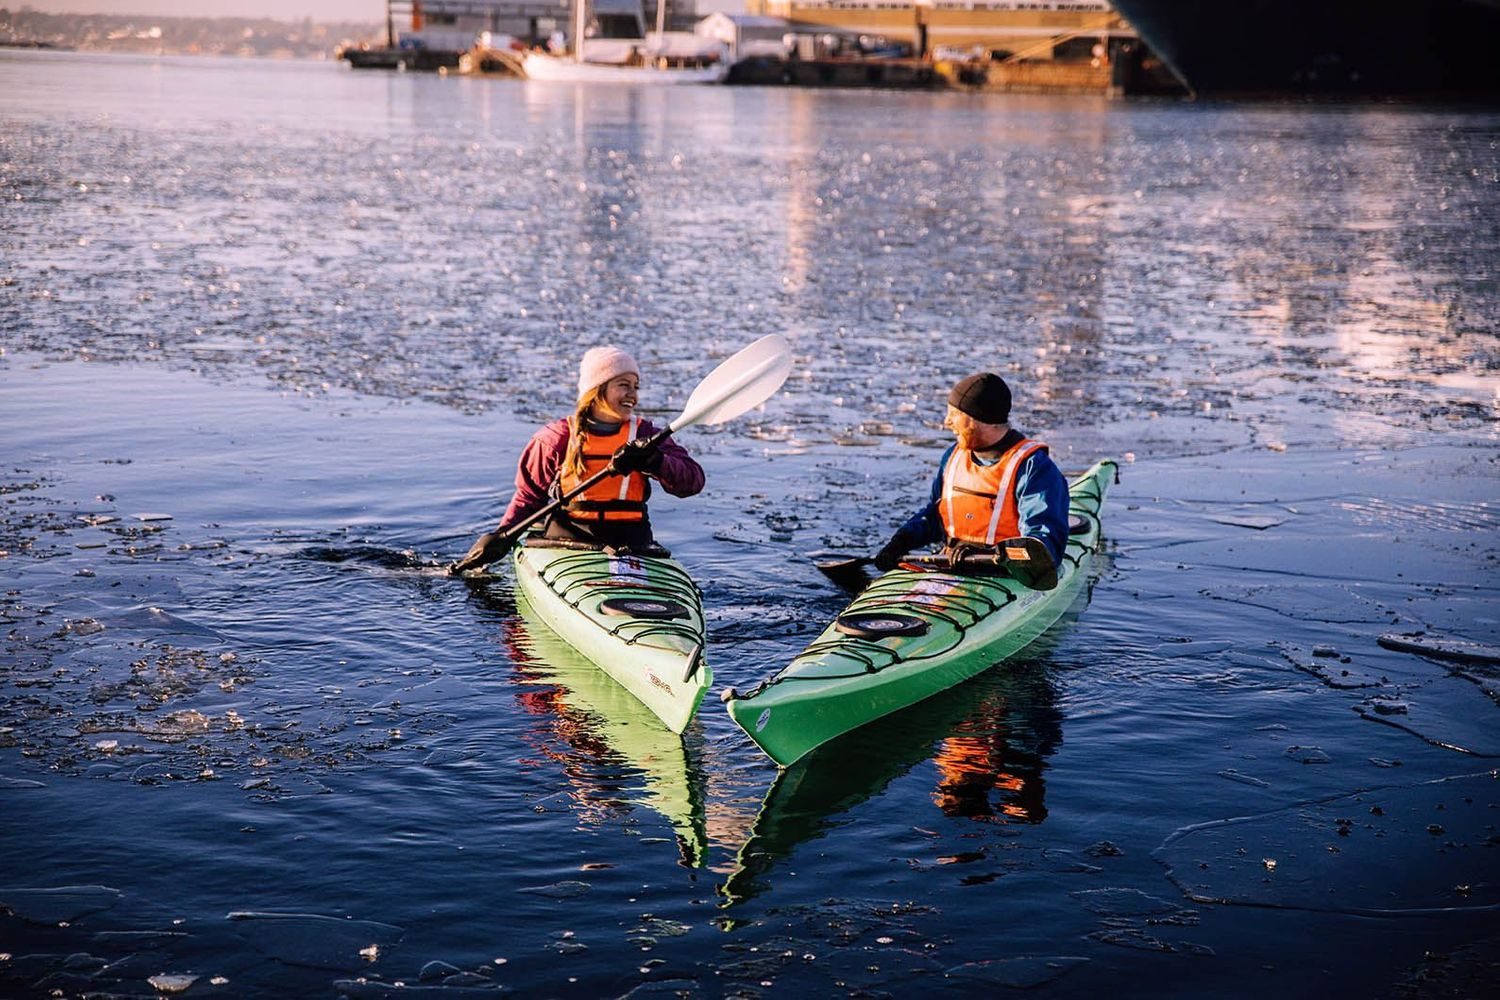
(984, 396)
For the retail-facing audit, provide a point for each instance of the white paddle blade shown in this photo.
(741, 383)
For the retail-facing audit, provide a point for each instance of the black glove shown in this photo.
(485, 550)
(640, 455)
(890, 557)
(957, 552)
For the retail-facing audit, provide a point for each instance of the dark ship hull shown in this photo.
(1395, 47)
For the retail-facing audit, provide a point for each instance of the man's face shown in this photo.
(971, 434)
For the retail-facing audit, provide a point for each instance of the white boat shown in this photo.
(660, 57)
(542, 66)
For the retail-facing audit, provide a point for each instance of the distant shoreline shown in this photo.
(251, 37)
(21, 52)
(30, 44)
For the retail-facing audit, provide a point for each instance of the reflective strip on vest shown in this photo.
(979, 501)
(613, 498)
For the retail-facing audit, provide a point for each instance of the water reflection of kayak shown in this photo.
(638, 618)
(988, 742)
(600, 723)
(911, 634)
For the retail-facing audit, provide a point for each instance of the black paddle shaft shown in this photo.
(1027, 559)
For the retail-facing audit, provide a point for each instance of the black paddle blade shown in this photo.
(1028, 560)
(851, 572)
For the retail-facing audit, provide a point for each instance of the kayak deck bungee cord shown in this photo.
(637, 615)
(911, 633)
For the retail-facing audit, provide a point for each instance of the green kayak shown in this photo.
(638, 618)
(911, 634)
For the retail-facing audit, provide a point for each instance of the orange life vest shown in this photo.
(979, 501)
(613, 498)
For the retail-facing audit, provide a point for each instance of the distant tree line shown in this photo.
(236, 36)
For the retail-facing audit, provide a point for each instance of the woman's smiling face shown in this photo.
(617, 401)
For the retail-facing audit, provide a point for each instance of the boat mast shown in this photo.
(661, 20)
(580, 18)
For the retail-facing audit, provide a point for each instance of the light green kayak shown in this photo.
(600, 721)
(911, 634)
(638, 618)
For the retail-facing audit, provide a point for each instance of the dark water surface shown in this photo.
(274, 334)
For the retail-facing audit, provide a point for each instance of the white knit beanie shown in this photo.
(600, 364)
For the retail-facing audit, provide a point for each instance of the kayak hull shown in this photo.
(637, 618)
(911, 634)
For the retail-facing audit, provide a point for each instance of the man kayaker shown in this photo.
(603, 431)
(994, 488)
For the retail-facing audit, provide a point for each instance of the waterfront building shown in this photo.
(1024, 29)
(456, 25)
(746, 36)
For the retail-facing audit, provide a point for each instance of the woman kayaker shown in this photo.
(994, 485)
(603, 432)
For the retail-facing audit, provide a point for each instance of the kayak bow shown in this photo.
(639, 618)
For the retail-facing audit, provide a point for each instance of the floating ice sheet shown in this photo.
(59, 904)
(313, 940)
(1389, 850)
(1015, 973)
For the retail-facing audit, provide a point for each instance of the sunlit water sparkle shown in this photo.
(312, 315)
